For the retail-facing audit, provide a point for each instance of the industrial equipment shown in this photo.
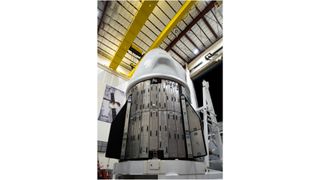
(157, 133)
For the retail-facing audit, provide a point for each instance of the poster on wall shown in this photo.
(112, 102)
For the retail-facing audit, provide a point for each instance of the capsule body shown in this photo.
(157, 120)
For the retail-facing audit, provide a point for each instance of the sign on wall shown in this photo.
(112, 102)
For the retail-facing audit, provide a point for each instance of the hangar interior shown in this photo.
(160, 89)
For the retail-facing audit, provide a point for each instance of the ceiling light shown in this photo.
(196, 51)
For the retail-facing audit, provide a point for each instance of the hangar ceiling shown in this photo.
(199, 28)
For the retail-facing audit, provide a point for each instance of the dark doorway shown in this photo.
(214, 77)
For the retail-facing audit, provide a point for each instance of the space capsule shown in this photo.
(157, 120)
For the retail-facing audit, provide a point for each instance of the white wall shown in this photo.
(104, 78)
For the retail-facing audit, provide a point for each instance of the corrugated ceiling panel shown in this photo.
(200, 34)
(171, 36)
(181, 25)
(195, 40)
(114, 32)
(149, 33)
(152, 28)
(136, 4)
(118, 26)
(184, 49)
(180, 53)
(177, 58)
(145, 39)
(112, 38)
(125, 13)
(193, 12)
(187, 46)
(182, 44)
(140, 44)
(121, 22)
(126, 61)
(142, 41)
(107, 49)
(188, 43)
(166, 8)
(163, 46)
(160, 15)
(130, 58)
(206, 30)
(213, 22)
(109, 12)
(218, 12)
(125, 24)
(201, 5)
(175, 5)
(187, 19)
(156, 21)
(207, 43)
(148, 30)
(128, 6)
(166, 40)
(134, 58)
(107, 42)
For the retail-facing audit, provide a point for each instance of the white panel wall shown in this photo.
(104, 78)
(103, 131)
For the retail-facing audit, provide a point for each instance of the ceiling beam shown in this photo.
(189, 26)
(139, 20)
(105, 54)
(174, 21)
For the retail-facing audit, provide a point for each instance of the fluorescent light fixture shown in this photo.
(196, 51)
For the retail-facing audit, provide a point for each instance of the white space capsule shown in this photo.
(157, 120)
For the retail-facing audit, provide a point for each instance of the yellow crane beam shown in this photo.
(137, 48)
(174, 21)
(138, 21)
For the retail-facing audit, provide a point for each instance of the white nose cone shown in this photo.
(158, 63)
